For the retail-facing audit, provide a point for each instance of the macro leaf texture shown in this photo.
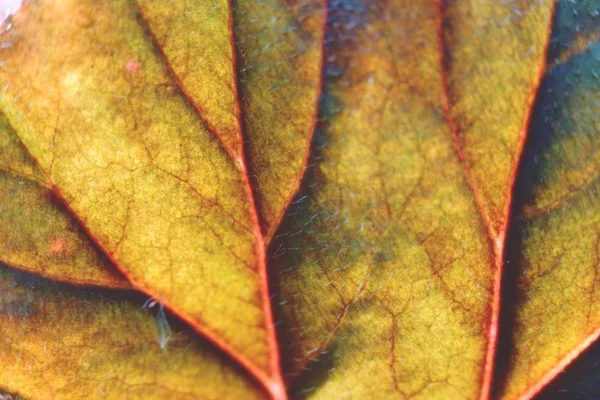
(297, 198)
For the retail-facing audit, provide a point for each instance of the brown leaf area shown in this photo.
(324, 199)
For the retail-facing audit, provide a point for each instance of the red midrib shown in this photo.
(276, 387)
(273, 382)
(498, 238)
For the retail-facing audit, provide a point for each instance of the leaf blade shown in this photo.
(132, 160)
(60, 342)
(557, 317)
(279, 48)
(40, 236)
(511, 40)
(194, 40)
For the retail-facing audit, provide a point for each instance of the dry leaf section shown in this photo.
(388, 254)
(57, 342)
(39, 235)
(558, 315)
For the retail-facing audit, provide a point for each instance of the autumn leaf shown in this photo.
(330, 199)
(410, 266)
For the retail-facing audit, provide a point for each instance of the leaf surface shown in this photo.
(557, 316)
(195, 39)
(167, 140)
(280, 56)
(58, 342)
(265, 57)
(40, 236)
(142, 169)
(382, 276)
(493, 61)
(395, 267)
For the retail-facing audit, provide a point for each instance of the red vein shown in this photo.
(274, 384)
(451, 123)
(117, 285)
(498, 238)
(498, 245)
(577, 350)
(277, 389)
(560, 366)
(513, 175)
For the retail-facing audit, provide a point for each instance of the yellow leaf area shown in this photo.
(39, 235)
(489, 101)
(275, 62)
(558, 313)
(133, 162)
(195, 38)
(280, 65)
(58, 342)
(119, 129)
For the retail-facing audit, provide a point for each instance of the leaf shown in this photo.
(280, 82)
(58, 342)
(168, 140)
(557, 315)
(129, 184)
(394, 270)
(278, 56)
(132, 156)
(489, 102)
